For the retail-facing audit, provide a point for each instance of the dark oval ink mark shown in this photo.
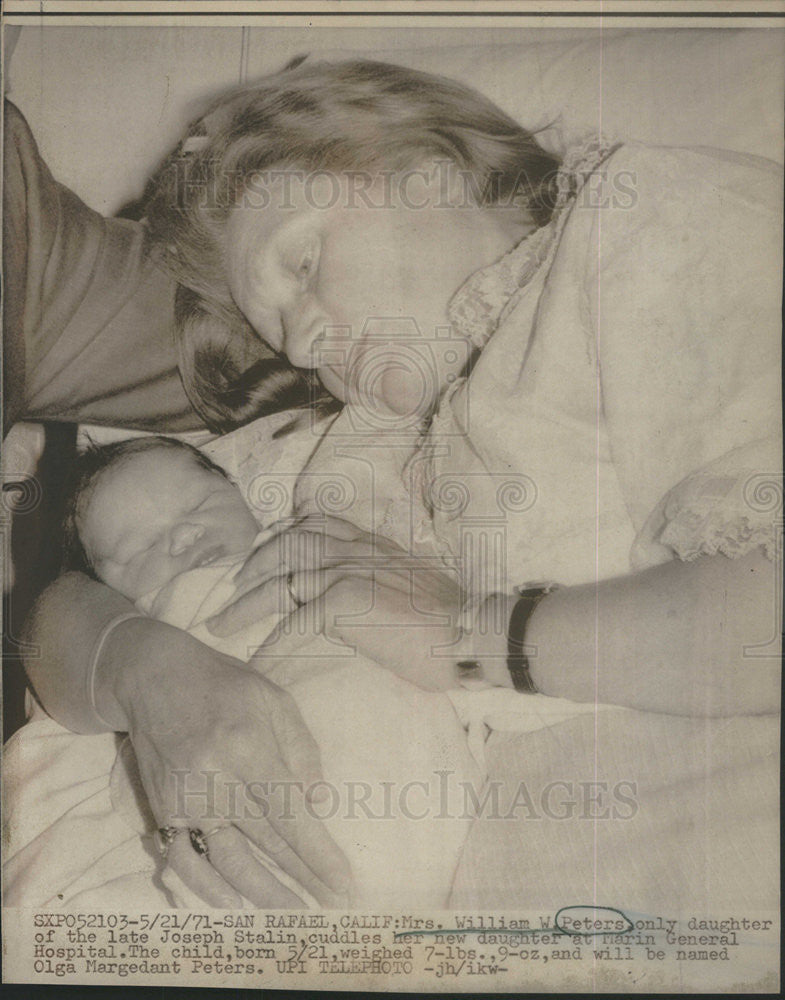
(601, 910)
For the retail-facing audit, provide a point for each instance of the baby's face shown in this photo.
(158, 514)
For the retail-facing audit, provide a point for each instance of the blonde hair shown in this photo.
(347, 116)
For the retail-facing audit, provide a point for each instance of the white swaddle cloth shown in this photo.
(190, 598)
(393, 755)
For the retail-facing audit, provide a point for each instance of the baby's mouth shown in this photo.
(208, 556)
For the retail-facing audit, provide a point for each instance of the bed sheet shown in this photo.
(654, 815)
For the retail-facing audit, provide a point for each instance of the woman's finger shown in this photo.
(232, 859)
(312, 543)
(287, 549)
(296, 745)
(301, 843)
(200, 876)
(265, 561)
(273, 598)
(288, 553)
(325, 598)
(282, 597)
(329, 882)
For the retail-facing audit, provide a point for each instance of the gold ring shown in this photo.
(164, 837)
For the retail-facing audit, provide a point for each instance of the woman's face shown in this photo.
(353, 278)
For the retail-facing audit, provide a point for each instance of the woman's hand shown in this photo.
(326, 576)
(217, 745)
(313, 543)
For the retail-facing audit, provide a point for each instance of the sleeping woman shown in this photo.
(616, 317)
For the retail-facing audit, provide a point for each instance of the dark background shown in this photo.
(36, 552)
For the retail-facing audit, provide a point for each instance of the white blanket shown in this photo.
(383, 744)
(405, 782)
(652, 814)
(392, 755)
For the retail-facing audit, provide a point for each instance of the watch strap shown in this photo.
(517, 653)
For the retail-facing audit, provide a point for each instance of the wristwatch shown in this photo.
(529, 596)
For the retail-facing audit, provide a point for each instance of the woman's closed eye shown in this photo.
(301, 260)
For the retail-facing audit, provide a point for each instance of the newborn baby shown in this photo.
(158, 521)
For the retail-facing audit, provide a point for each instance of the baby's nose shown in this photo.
(183, 536)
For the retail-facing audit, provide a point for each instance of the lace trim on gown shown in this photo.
(732, 515)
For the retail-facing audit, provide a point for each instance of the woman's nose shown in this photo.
(303, 327)
(183, 536)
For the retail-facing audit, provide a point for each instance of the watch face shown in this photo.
(535, 586)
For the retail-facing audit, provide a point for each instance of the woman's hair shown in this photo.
(88, 468)
(347, 116)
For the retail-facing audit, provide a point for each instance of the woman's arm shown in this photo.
(668, 639)
(63, 629)
(194, 717)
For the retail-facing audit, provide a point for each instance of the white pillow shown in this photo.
(680, 87)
